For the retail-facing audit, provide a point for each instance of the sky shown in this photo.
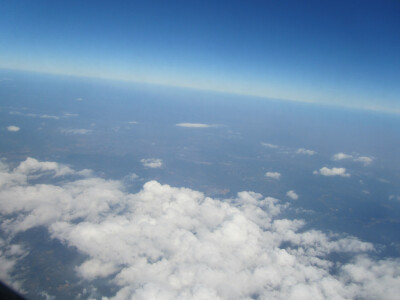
(338, 52)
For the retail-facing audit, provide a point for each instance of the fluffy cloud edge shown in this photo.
(366, 160)
(292, 195)
(177, 243)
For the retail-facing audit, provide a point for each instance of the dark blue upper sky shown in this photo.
(343, 52)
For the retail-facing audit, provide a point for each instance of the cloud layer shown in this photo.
(176, 243)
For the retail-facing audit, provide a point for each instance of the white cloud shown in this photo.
(272, 146)
(176, 243)
(305, 151)
(9, 256)
(341, 156)
(194, 125)
(332, 172)
(366, 160)
(31, 115)
(13, 128)
(292, 195)
(33, 168)
(76, 131)
(274, 175)
(79, 99)
(152, 162)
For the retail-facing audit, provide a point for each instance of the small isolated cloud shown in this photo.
(13, 128)
(305, 151)
(132, 122)
(273, 175)
(366, 160)
(332, 172)
(76, 131)
(79, 99)
(152, 162)
(272, 146)
(341, 156)
(132, 177)
(292, 195)
(194, 125)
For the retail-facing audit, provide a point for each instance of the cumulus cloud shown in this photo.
(292, 195)
(152, 162)
(366, 160)
(305, 151)
(194, 125)
(76, 131)
(332, 172)
(273, 175)
(272, 146)
(175, 243)
(13, 128)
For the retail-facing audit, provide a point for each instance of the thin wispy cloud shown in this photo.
(305, 151)
(268, 145)
(366, 160)
(76, 131)
(42, 116)
(341, 156)
(194, 125)
(176, 243)
(332, 172)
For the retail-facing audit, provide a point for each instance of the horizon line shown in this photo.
(377, 109)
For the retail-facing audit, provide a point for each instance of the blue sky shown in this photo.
(338, 52)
